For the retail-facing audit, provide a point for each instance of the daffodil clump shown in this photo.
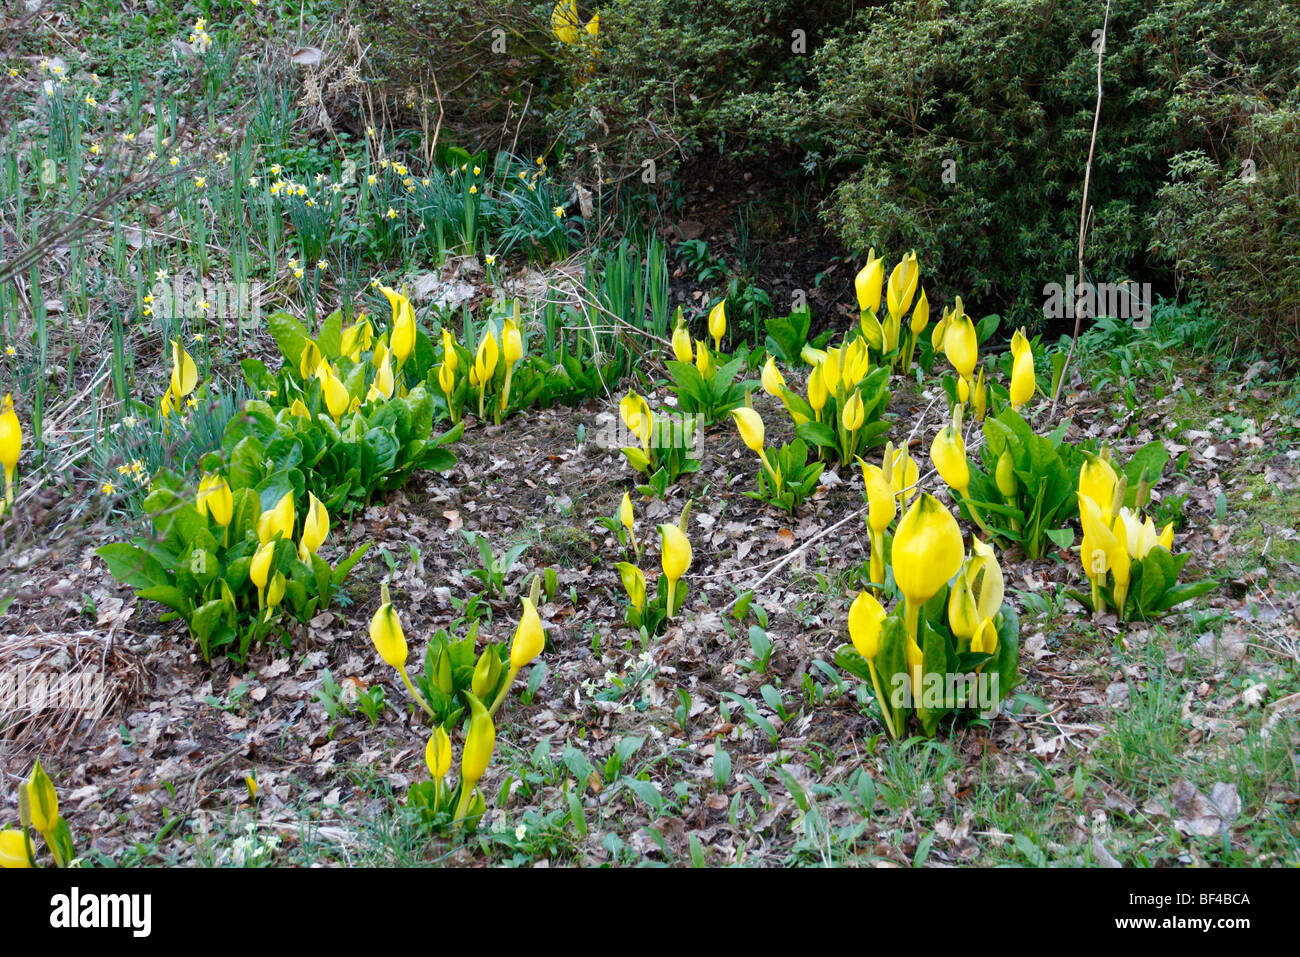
(664, 445)
(455, 681)
(845, 398)
(38, 810)
(702, 386)
(892, 341)
(650, 614)
(1131, 568)
(950, 642)
(786, 477)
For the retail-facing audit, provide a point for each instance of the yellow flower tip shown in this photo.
(682, 344)
(388, 637)
(773, 380)
(315, 527)
(480, 739)
(927, 550)
(530, 638)
(634, 584)
(948, 453)
(718, 323)
(437, 753)
(865, 619)
(16, 849)
(676, 552)
(750, 425)
(868, 283)
(625, 514)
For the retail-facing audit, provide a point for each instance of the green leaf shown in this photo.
(290, 335)
(132, 566)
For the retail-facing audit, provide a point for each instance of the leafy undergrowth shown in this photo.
(1158, 744)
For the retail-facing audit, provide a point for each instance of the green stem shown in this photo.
(466, 789)
(880, 700)
(406, 680)
(974, 512)
(505, 690)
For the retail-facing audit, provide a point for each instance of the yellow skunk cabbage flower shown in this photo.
(867, 283)
(703, 360)
(961, 345)
(529, 639)
(832, 370)
(215, 499)
(486, 674)
(437, 753)
(1022, 370)
(625, 514)
(185, 375)
(309, 359)
(402, 339)
(274, 592)
(388, 637)
(42, 801)
(902, 286)
(682, 343)
(564, 21)
(633, 580)
(920, 315)
(980, 398)
(335, 392)
(817, 394)
(447, 379)
(11, 445)
(986, 579)
(449, 355)
(299, 410)
(750, 425)
(902, 471)
(940, 332)
(382, 387)
(260, 570)
(872, 331)
(1166, 538)
(1102, 551)
(865, 618)
(962, 611)
(718, 323)
(854, 413)
(676, 558)
(485, 358)
(948, 453)
(480, 740)
(167, 405)
(985, 639)
(927, 552)
(1098, 480)
(773, 380)
(881, 507)
(855, 363)
(813, 357)
(635, 412)
(278, 519)
(315, 527)
(512, 343)
(356, 339)
(16, 849)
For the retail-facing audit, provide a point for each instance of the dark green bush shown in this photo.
(887, 97)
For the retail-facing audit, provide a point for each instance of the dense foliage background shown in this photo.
(874, 103)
